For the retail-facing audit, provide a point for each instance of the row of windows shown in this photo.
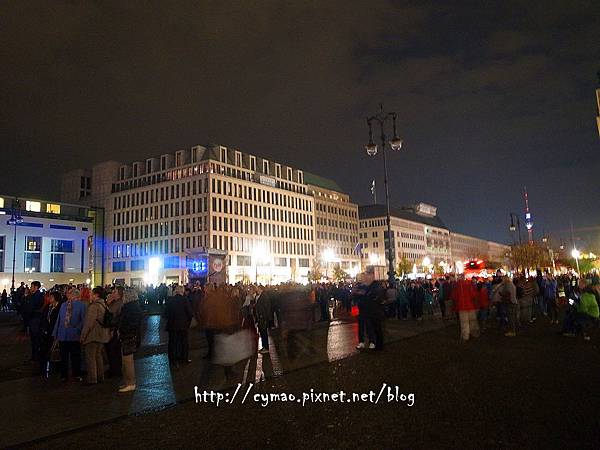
(335, 210)
(278, 247)
(260, 195)
(260, 228)
(226, 206)
(165, 193)
(30, 205)
(413, 246)
(187, 207)
(197, 170)
(158, 247)
(159, 177)
(400, 255)
(246, 261)
(415, 237)
(335, 223)
(336, 237)
(174, 262)
(161, 229)
(33, 250)
(343, 251)
(174, 209)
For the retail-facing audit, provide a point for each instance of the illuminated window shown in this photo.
(53, 208)
(33, 206)
(1, 202)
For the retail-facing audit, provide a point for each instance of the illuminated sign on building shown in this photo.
(268, 181)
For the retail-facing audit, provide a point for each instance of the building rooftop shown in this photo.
(48, 209)
(326, 183)
(372, 211)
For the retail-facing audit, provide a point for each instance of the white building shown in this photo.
(168, 209)
(421, 238)
(417, 233)
(54, 242)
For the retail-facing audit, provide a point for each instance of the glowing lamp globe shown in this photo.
(371, 149)
(396, 143)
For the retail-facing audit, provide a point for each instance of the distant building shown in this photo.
(55, 242)
(419, 236)
(417, 232)
(467, 248)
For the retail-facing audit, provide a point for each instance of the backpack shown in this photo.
(107, 319)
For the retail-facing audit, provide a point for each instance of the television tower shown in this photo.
(528, 219)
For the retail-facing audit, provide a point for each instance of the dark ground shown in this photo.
(538, 390)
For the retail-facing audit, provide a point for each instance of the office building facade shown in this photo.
(419, 237)
(163, 211)
(336, 226)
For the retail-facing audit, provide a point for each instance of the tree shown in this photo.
(495, 265)
(529, 256)
(438, 270)
(586, 265)
(339, 274)
(404, 266)
(315, 273)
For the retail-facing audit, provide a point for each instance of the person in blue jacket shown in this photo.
(67, 330)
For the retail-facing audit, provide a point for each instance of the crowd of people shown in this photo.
(74, 327)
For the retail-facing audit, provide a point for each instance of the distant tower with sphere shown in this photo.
(528, 218)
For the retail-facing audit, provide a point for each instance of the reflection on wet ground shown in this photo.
(158, 386)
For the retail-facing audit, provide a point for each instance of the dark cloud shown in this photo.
(491, 96)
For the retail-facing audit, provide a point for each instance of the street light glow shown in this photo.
(328, 255)
(259, 254)
(575, 253)
(154, 265)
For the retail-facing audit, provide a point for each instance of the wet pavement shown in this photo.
(535, 391)
(159, 387)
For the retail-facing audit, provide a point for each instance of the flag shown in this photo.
(358, 249)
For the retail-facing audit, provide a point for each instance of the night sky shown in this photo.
(490, 96)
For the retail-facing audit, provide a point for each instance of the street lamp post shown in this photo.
(15, 219)
(512, 225)
(396, 144)
(576, 254)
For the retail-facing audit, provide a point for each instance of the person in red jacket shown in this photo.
(464, 296)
